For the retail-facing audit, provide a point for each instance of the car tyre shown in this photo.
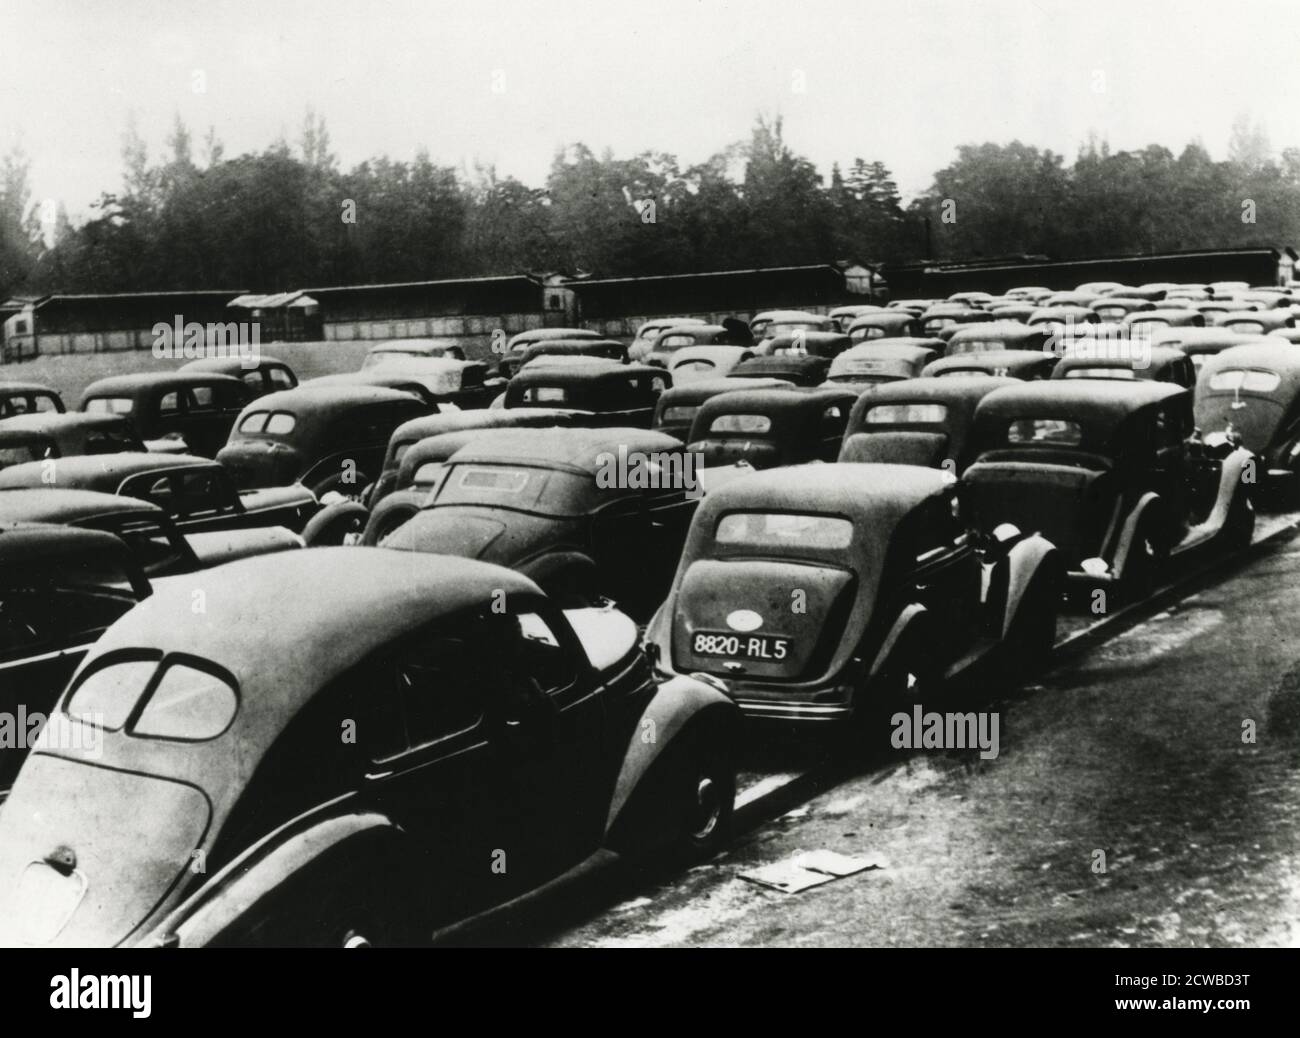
(336, 524)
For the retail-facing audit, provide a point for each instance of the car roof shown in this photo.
(780, 316)
(324, 398)
(892, 349)
(593, 369)
(228, 365)
(1010, 331)
(709, 350)
(977, 361)
(703, 388)
(1094, 401)
(45, 421)
(936, 389)
(874, 318)
(1284, 359)
(25, 542)
(7, 386)
(69, 506)
(742, 401)
(815, 335)
(141, 380)
(875, 496)
(414, 345)
(93, 471)
(1157, 357)
(536, 334)
(481, 418)
(577, 450)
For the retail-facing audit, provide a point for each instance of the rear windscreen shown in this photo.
(784, 529)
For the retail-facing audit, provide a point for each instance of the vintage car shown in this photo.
(265, 375)
(1154, 293)
(843, 316)
(58, 434)
(821, 593)
(1291, 335)
(1199, 344)
(1222, 305)
(1111, 473)
(1024, 365)
(28, 398)
(922, 421)
(331, 439)
(737, 432)
(1020, 312)
(944, 316)
(412, 431)
(436, 381)
(1249, 396)
(514, 348)
(586, 513)
(1064, 321)
(696, 363)
(999, 335)
(773, 322)
(1114, 309)
(1030, 293)
(971, 298)
(607, 349)
(885, 324)
(1098, 288)
(1259, 322)
(1145, 322)
(671, 340)
(60, 587)
(1127, 360)
(1071, 298)
(609, 393)
(802, 369)
(678, 406)
(873, 363)
(187, 412)
(916, 306)
(816, 344)
(197, 493)
(456, 741)
(649, 331)
(402, 350)
(160, 550)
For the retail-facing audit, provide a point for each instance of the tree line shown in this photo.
(291, 217)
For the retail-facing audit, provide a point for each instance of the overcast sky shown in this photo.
(508, 82)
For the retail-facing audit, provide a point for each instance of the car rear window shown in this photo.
(753, 424)
(1253, 327)
(280, 424)
(1246, 381)
(694, 365)
(679, 414)
(508, 481)
(106, 697)
(110, 405)
(187, 705)
(16, 454)
(896, 414)
(1053, 431)
(253, 423)
(784, 529)
(543, 395)
(672, 342)
(1119, 373)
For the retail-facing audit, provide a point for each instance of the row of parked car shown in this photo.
(438, 706)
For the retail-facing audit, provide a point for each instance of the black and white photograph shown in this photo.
(700, 475)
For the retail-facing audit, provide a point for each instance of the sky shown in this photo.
(508, 83)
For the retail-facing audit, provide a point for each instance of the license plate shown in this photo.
(762, 647)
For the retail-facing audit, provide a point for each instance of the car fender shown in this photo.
(261, 870)
(1146, 505)
(294, 496)
(678, 703)
(213, 547)
(912, 620)
(1231, 484)
(1028, 558)
(399, 502)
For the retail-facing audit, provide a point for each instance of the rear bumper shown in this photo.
(819, 705)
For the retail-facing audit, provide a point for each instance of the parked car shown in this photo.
(159, 548)
(885, 324)
(944, 316)
(1020, 312)
(553, 504)
(815, 344)
(1145, 322)
(1291, 335)
(28, 398)
(971, 298)
(331, 439)
(1259, 322)
(181, 411)
(436, 381)
(1156, 363)
(267, 375)
(773, 322)
(56, 434)
(644, 341)
(1199, 344)
(1064, 322)
(1073, 298)
(802, 369)
(476, 733)
(610, 394)
(916, 306)
(402, 350)
(1025, 365)
(696, 363)
(875, 362)
(893, 589)
(921, 421)
(60, 587)
(197, 493)
(1031, 293)
(1000, 335)
(844, 316)
(607, 349)
(671, 340)
(1109, 472)
(518, 344)
(1249, 396)
(1114, 309)
(677, 407)
(765, 428)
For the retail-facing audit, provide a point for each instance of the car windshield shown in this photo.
(784, 530)
(110, 405)
(1238, 380)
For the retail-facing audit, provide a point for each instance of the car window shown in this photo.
(108, 441)
(202, 398)
(16, 454)
(754, 424)
(1117, 373)
(43, 403)
(437, 689)
(1054, 431)
(678, 414)
(1247, 381)
(187, 705)
(280, 379)
(897, 414)
(170, 403)
(782, 529)
(253, 380)
(198, 492)
(253, 423)
(280, 424)
(542, 656)
(107, 695)
(110, 405)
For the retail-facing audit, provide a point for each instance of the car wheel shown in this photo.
(340, 523)
(356, 490)
(707, 799)
(1034, 636)
(1239, 528)
(386, 518)
(1140, 568)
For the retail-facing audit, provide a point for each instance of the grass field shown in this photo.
(72, 373)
